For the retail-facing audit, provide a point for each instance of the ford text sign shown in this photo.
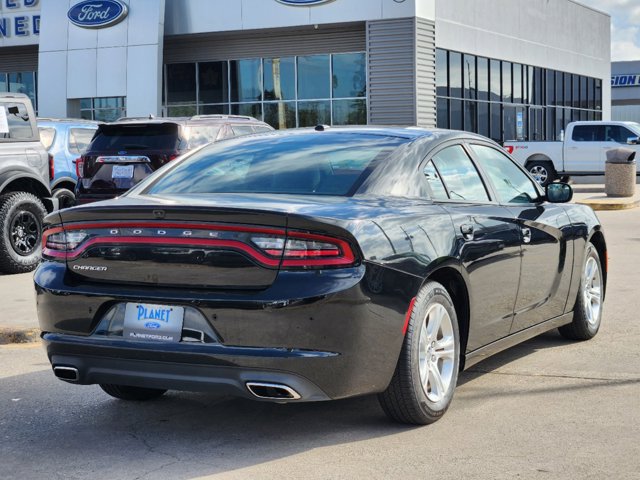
(304, 3)
(97, 13)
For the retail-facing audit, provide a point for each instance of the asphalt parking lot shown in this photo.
(547, 409)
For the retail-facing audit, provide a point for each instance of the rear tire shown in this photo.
(423, 384)
(66, 198)
(125, 392)
(21, 217)
(587, 313)
(542, 171)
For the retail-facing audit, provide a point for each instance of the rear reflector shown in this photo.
(52, 171)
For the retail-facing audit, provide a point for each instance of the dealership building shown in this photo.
(517, 69)
(625, 91)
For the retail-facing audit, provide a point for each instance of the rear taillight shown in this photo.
(52, 170)
(509, 149)
(57, 242)
(173, 156)
(302, 250)
(80, 167)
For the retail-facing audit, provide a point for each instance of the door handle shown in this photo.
(467, 231)
(526, 235)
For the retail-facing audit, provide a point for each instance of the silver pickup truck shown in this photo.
(583, 151)
(25, 196)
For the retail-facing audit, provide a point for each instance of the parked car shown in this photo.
(318, 264)
(25, 196)
(125, 152)
(65, 140)
(582, 152)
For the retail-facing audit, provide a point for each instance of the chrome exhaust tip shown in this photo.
(272, 391)
(69, 374)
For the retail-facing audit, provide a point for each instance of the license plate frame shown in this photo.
(153, 322)
(122, 171)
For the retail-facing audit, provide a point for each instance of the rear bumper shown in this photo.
(323, 333)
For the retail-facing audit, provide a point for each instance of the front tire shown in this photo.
(542, 172)
(587, 313)
(21, 216)
(423, 384)
(125, 392)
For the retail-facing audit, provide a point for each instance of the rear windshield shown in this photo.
(302, 164)
(162, 136)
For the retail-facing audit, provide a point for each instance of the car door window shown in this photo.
(459, 175)
(434, 182)
(47, 136)
(79, 139)
(510, 183)
(618, 134)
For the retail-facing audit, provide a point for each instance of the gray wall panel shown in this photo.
(392, 73)
(19, 59)
(425, 73)
(265, 43)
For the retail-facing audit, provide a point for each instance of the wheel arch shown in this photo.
(538, 157)
(65, 182)
(451, 278)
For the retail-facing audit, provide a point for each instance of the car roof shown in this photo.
(20, 96)
(44, 121)
(197, 119)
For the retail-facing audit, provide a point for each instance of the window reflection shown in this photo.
(313, 77)
(349, 75)
(246, 80)
(279, 78)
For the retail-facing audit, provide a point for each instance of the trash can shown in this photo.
(620, 173)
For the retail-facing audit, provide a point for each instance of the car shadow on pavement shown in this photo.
(72, 429)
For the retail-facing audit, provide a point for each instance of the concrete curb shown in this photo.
(18, 335)
(606, 203)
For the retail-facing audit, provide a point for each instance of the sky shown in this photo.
(625, 26)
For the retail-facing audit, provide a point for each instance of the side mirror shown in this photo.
(559, 192)
(633, 140)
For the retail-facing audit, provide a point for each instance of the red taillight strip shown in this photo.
(192, 226)
(347, 257)
(407, 317)
(193, 242)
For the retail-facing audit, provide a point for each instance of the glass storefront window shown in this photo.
(455, 74)
(3, 82)
(583, 93)
(311, 114)
(280, 78)
(246, 80)
(102, 109)
(456, 115)
(442, 81)
(181, 83)
(349, 75)
(507, 85)
(483, 119)
(575, 103)
(182, 111)
(496, 122)
(551, 88)
(213, 82)
(469, 76)
(213, 110)
(248, 109)
(470, 116)
(483, 78)
(313, 77)
(349, 112)
(280, 115)
(443, 112)
(517, 83)
(567, 89)
(495, 79)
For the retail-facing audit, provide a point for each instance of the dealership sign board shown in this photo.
(97, 14)
(304, 3)
(626, 80)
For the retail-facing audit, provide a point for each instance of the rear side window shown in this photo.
(262, 129)
(198, 135)
(239, 130)
(15, 122)
(79, 139)
(47, 136)
(460, 175)
(588, 133)
(134, 137)
(304, 164)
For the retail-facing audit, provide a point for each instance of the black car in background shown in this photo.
(123, 153)
(318, 264)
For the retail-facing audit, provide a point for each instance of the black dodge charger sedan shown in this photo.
(318, 264)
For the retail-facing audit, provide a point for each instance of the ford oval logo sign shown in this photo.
(97, 14)
(304, 3)
(152, 325)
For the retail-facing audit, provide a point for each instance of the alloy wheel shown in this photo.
(24, 233)
(436, 353)
(592, 291)
(539, 173)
